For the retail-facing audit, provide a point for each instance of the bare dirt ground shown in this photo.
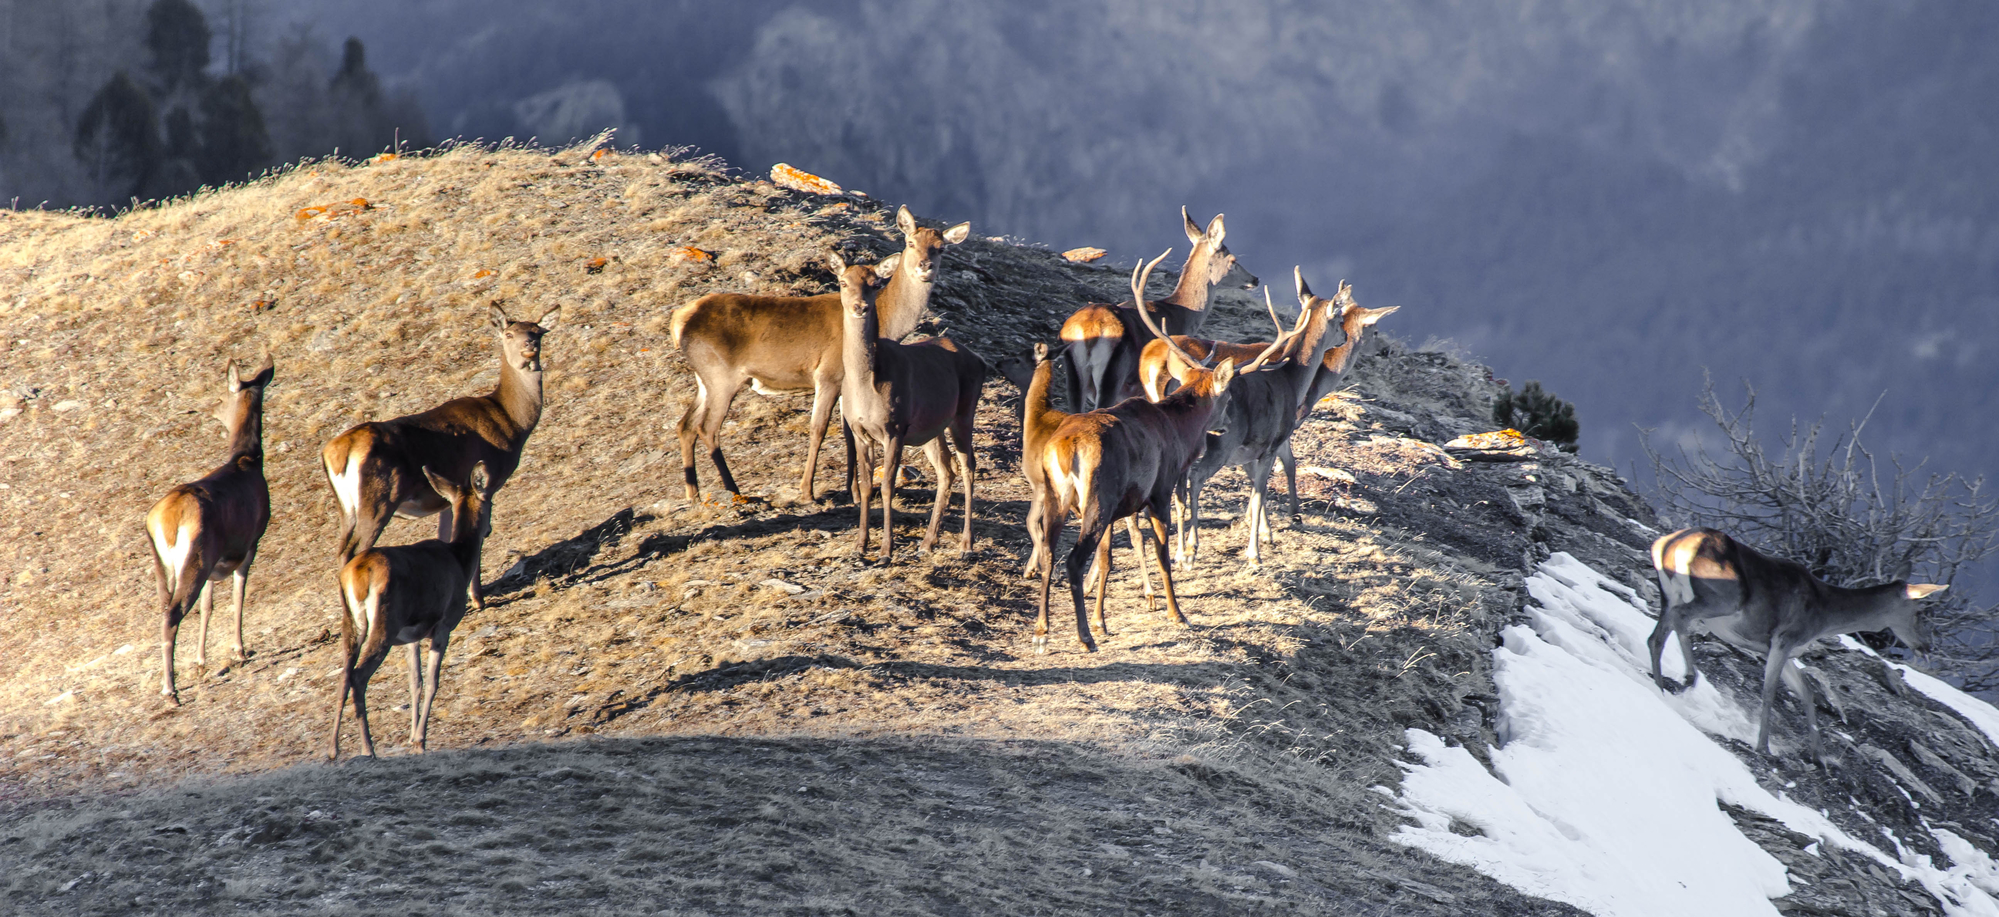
(695, 708)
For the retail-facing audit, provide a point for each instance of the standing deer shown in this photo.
(1262, 413)
(208, 530)
(1108, 464)
(778, 344)
(1768, 607)
(381, 468)
(1103, 341)
(895, 395)
(408, 594)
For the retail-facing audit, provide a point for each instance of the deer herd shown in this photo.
(1159, 411)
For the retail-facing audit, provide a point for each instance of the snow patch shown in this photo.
(1604, 791)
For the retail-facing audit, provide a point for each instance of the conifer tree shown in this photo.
(117, 138)
(234, 143)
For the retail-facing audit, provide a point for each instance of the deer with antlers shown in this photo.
(1108, 464)
(1262, 414)
(382, 468)
(410, 594)
(895, 395)
(779, 344)
(207, 531)
(1768, 607)
(1103, 341)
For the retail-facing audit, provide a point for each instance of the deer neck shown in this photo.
(861, 344)
(1041, 416)
(1845, 611)
(246, 434)
(900, 304)
(1309, 351)
(519, 395)
(1185, 309)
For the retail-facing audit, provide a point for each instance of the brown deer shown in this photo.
(1768, 607)
(381, 468)
(1108, 464)
(206, 531)
(777, 344)
(1103, 341)
(1262, 413)
(408, 594)
(895, 395)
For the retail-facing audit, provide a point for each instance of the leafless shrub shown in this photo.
(1826, 501)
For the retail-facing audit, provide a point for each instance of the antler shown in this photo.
(1138, 279)
(1267, 304)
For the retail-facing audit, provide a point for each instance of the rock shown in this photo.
(63, 407)
(1083, 255)
(785, 176)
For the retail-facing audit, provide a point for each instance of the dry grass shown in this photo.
(939, 755)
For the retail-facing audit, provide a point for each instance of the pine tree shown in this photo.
(361, 127)
(1538, 414)
(117, 138)
(234, 143)
(177, 34)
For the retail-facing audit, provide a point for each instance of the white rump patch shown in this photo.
(361, 608)
(347, 484)
(174, 555)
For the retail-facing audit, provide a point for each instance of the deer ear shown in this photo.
(1193, 229)
(1304, 289)
(480, 479)
(839, 264)
(1922, 590)
(905, 221)
(444, 486)
(1040, 352)
(1375, 315)
(1216, 230)
(499, 317)
(1224, 373)
(886, 268)
(547, 319)
(235, 381)
(958, 233)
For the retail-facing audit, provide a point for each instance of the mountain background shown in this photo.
(1610, 198)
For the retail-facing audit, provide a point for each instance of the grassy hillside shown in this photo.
(641, 715)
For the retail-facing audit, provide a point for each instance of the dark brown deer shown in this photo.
(1103, 342)
(1768, 607)
(777, 344)
(895, 395)
(409, 594)
(207, 531)
(380, 469)
(1108, 464)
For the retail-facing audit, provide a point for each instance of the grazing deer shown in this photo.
(208, 530)
(1262, 413)
(777, 344)
(1103, 341)
(895, 395)
(381, 468)
(1108, 464)
(1769, 607)
(407, 594)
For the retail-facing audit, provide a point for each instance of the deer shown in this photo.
(1108, 464)
(894, 395)
(1769, 607)
(1103, 342)
(783, 344)
(206, 531)
(409, 594)
(378, 469)
(1262, 414)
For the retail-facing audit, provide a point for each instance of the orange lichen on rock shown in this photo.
(1083, 255)
(799, 180)
(596, 265)
(690, 253)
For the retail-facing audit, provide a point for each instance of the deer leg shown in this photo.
(1290, 475)
(1259, 477)
(961, 440)
(715, 409)
(687, 436)
(1159, 554)
(891, 469)
(175, 612)
(1138, 551)
(1773, 672)
(346, 681)
(1103, 581)
(864, 494)
(201, 644)
(242, 584)
(1034, 538)
(475, 591)
(824, 391)
(437, 647)
(934, 451)
(1794, 678)
(1092, 531)
(416, 690)
(373, 652)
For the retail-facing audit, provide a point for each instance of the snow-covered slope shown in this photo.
(1606, 793)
